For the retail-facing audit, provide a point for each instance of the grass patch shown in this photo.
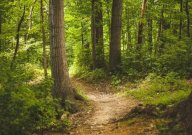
(165, 90)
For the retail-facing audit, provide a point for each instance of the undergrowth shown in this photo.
(26, 103)
(156, 89)
(88, 75)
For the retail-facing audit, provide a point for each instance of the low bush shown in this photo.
(26, 104)
(91, 75)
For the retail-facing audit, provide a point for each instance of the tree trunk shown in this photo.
(123, 39)
(97, 35)
(30, 18)
(17, 38)
(82, 33)
(188, 18)
(160, 45)
(150, 34)
(128, 30)
(160, 30)
(43, 39)
(1, 24)
(62, 87)
(181, 20)
(108, 11)
(0, 32)
(141, 24)
(115, 44)
(129, 44)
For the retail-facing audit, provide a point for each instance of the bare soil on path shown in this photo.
(103, 115)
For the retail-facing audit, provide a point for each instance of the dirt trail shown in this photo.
(105, 110)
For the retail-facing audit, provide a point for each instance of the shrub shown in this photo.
(26, 104)
(115, 80)
(91, 76)
(24, 112)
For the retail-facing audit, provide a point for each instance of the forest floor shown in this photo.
(105, 114)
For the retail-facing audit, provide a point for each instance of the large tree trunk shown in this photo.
(62, 87)
(141, 24)
(43, 39)
(18, 37)
(188, 18)
(97, 35)
(115, 44)
(181, 20)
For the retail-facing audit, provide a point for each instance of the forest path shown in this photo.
(104, 113)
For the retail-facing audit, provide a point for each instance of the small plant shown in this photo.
(115, 80)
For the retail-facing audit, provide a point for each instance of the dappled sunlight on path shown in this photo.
(106, 109)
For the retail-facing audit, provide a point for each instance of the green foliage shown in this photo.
(91, 75)
(23, 112)
(26, 104)
(175, 57)
(81, 92)
(166, 90)
(82, 58)
(115, 80)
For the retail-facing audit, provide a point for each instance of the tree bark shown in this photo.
(45, 65)
(160, 29)
(123, 39)
(108, 11)
(150, 34)
(82, 33)
(188, 18)
(181, 20)
(30, 18)
(1, 24)
(17, 37)
(141, 24)
(0, 32)
(97, 35)
(62, 87)
(160, 45)
(115, 44)
(109, 20)
(129, 40)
